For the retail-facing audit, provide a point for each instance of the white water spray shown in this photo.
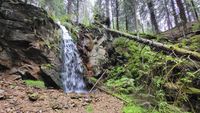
(72, 67)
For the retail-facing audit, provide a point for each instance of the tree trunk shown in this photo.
(77, 15)
(153, 16)
(69, 7)
(117, 14)
(187, 7)
(135, 15)
(26, 1)
(182, 12)
(107, 8)
(126, 18)
(194, 10)
(113, 13)
(167, 49)
(108, 11)
(174, 13)
(169, 24)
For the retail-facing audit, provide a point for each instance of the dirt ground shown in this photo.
(16, 97)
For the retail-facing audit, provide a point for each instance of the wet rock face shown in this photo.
(26, 38)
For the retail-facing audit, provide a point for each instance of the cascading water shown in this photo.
(72, 68)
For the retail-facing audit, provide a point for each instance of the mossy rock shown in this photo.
(33, 96)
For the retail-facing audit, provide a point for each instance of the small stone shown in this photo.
(56, 106)
(88, 100)
(73, 104)
(66, 106)
(96, 99)
(1, 91)
(2, 96)
(146, 105)
(75, 97)
(85, 104)
(33, 96)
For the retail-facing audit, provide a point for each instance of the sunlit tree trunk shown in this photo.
(112, 3)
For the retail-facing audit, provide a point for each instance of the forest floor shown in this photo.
(17, 97)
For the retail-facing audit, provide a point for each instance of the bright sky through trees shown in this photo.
(93, 2)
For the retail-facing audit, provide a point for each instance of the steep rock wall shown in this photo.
(28, 43)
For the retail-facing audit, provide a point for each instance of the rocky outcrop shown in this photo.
(28, 42)
(92, 45)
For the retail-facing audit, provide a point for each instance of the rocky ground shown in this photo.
(16, 97)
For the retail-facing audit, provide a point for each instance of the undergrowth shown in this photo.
(160, 78)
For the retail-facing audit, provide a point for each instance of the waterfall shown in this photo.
(72, 67)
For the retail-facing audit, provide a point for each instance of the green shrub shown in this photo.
(148, 72)
(122, 85)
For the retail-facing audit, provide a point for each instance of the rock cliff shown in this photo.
(29, 43)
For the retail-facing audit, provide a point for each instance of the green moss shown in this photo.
(133, 109)
(89, 108)
(147, 71)
(192, 43)
(47, 66)
(195, 26)
(35, 83)
(195, 43)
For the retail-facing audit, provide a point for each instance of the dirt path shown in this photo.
(16, 97)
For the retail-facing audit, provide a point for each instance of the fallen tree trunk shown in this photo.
(167, 49)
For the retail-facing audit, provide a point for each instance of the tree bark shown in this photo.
(26, 1)
(108, 11)
(169, 24)
(174, 13)
(194, 10)
(117, 14)
(69, 6)
(77, 15)
(153, 16)
(126, 18)
(135, 16)
(187, 7)
(107, 8)
(182, 11)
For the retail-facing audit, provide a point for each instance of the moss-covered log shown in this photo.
(167, 49)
